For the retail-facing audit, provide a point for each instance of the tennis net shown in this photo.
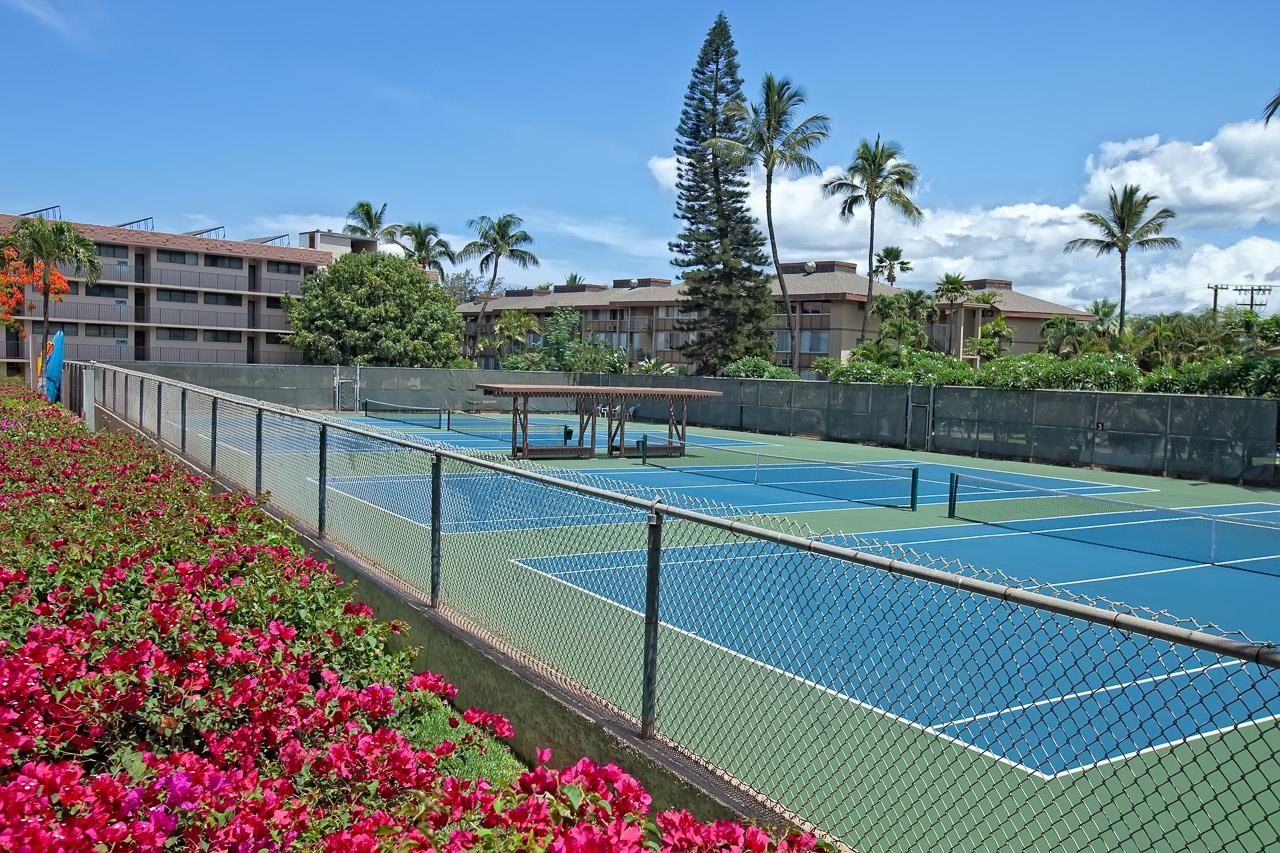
(1234, 541)
(870, 483)
(543, 431)
(424, 416)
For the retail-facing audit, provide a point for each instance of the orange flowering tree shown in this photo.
(16, 277)
(38, 246)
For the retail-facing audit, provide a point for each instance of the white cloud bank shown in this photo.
(1231, 181)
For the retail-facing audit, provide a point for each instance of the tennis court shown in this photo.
(880, 706)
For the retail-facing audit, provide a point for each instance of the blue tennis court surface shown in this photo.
(403, 494)
(1062, 734)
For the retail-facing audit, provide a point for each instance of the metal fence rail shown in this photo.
(889, 699)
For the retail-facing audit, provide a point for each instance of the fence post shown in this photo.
(649, 674)
(257, 452)
(213, 437)
(437, 482)
(324, 478)
(88, 402)
(159, 411)
(1168, 434)
(124, 407)
(952, 489)
(182, 422)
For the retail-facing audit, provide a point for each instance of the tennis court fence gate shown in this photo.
(885, 698)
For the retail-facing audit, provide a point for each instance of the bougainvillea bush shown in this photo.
(177, 673)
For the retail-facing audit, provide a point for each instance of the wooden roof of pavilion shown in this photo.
(516, 389)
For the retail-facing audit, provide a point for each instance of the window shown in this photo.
(108, 251)
(782, 341)
(222, 299)
(97, 330)
(221, 336)
(274, 338)
(73, 288)
(177, 335)
(273, 302)
(224, 262)
(166, 256)
(816, 309)
(107, 291)
(814, 341)
(69, 330)
(189, 296)
(285, 267)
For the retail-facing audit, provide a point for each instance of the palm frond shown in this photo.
(1151, 243)
(1102, 247)
(1272, 108)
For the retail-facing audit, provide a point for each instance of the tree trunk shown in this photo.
(1123, 284)
(484, 306)
(44, 338)
(793, 326)
(871, 250)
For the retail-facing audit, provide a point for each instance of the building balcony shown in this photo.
(114, 313)
(123, 273)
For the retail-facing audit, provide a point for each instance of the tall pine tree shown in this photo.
(720, 250)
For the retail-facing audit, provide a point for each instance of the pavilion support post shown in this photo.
(524, 427)
(515, 424)
(622, 427)
(684, 425)
(595, 410)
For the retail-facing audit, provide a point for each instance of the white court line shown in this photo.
(1168, 571)
(1020, 474)
(821, 688)
(1247, 724)
(1082, 694)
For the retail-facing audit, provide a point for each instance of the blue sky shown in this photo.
(277, 116)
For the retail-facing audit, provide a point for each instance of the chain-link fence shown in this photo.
(887, 698)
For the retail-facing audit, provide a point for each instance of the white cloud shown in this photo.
(611, 232)
(1230, 181)
(663, 170)
(70, 20)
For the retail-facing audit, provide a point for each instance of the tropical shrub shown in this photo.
(755, 367)
(177, 673)
(1089, 372)
(655, 367)
(907, 367)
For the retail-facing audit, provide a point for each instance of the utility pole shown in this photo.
(1215, 288)
(1254, 296)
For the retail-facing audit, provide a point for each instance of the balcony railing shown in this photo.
(126, 351)
(194, 278)
(235, 318)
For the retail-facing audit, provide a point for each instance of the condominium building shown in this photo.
(643, 315)
(165, 297)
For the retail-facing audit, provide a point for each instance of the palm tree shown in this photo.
(514, 327)
(1105, 321)
(904, 332)
(1124, 226)
(988, 299)
(573, 279)
(775, 139)
(877, 172)
(497, 239)
(40, 244)
(955, 291)
(886, 306)
(889, 263)
(365, 221)
(918, 305)
(1273, 107)
(1065, 336)
(427, 248)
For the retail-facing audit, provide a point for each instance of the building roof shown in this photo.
(185, 243)
(838, 283)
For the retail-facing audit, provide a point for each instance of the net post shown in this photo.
(649, 672)
(953, 488)
(182, 422)
(437, 489)
(324, 479)
(915, 488)
(643, 444)
(213, 436)
(257, 452)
